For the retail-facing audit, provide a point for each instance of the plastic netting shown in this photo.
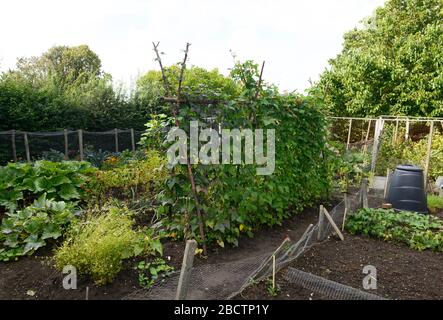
(42, 143)
(229, 279)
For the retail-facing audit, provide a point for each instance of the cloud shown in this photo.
(296, 38)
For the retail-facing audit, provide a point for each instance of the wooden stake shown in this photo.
(80, 143)
(346, 211)
(273, 272)
(364, 193)
(87, 293)
(428, 152)
(28, 154)
(132, 140)
(320, 231)
(331, 221)
(368, 131)
(394, 137)
(116, 139)
(65, 133)
(185, 273)
(349, 134)
(388, 172)
(14, 148)
(407, 130)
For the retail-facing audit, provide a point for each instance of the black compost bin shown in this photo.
(406, 190)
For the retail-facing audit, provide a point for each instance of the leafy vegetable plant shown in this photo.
(24, 231)
(418, 231)
(150, 272)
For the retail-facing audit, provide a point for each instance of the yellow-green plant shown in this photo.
(98, 245)
(144, 174)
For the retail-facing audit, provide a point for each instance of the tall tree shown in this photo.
(393, 65)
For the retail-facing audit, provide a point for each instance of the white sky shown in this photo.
(295, 37)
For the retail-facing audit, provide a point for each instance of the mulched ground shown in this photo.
(402, 273)
(36, 273)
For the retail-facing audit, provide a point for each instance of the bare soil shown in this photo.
(402, 273)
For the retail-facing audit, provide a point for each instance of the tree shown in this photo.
(393, 65)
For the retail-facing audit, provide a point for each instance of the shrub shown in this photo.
(435, 202)
(135, 175)
(418, 231)
(23, 232)
(98, 245)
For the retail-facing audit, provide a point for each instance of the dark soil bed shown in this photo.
(402, 273)
(37, 274)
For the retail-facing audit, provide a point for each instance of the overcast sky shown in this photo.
(295, 37)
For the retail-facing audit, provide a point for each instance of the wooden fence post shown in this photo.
(365, 148)
(14, 148)
(364, 193)
(185, 273)
(116, 139)
(80, 143)
(394, 136)
(407, 130)
(132, 140)
(345, 212)
(428, 153)
(321, 222)
(65, 133)
(378, 130)
(28, 154)
(349, 134)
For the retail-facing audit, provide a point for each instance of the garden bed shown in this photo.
(36, 273)
(402, 273)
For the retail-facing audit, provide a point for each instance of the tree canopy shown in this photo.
(393, 65)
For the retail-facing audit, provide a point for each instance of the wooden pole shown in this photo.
(321, 221)
(334, 226)
(349, 134)
(428, 152)
(394, 137)
(346, 211)
(28, 154)
(368, 131)
(116, 139)
(133, 140)
(65, 133)
(14, 148)
(388, 173)
(378, 129)
(407, 130)
(185, 273)
(80, 143)
(364, 193)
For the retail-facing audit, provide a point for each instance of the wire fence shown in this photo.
(71, 144)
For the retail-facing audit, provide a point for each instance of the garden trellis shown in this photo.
(27, 146)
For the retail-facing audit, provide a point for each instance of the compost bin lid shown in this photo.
(409, 167)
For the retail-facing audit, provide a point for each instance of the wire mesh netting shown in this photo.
(229, 279)
(64, 143)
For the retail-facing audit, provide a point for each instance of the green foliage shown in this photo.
(273, 290)
(98, 245)
(435, 202)
(150, 272)
(21, 183)
(418, 231)
(348, 167)
(234, 199)
(390, 66)
(409, 152)
(144, 175)
(155, 131)
(24, 231)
